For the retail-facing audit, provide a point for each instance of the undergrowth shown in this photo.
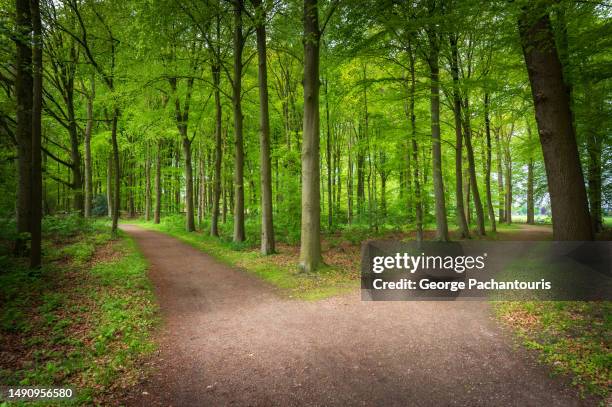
(83, 321)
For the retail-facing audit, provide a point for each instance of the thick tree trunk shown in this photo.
(440, 204)
(267, 226)
(464, 231)
(310, 247)
(158, 187)
(87, 147)
(214, 224)
(239, 235)
(490, 209)
(570, 212)
(36, 182)
(23, 130)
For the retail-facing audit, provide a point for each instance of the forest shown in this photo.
(186, 187)
(263, 121)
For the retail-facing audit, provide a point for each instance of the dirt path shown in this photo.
(229, 339)
(526, 232)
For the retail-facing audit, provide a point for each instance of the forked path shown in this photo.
(229, 339)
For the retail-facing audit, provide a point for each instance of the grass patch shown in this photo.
(84, 320)
(575, 338)
(278, 269)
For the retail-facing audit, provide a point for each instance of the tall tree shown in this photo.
(36, 184)
(90, 95)
(434, 78)
(487, 119)
(23, 128)
(310, 245)
(460, 210)
(239, 40)
(267, 226)
(571, 219)
(182, 122)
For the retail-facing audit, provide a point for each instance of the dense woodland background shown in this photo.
(261, 121)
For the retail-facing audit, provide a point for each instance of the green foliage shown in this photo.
(99, 206)
(66, 226)
(572, 337)
(77, 322)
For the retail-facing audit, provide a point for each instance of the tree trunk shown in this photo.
(239, 235)
(158, 188)
(530, 203)
(472, 170)
(117, 192)
(23, 130)
(568, 199)
(329, 162)
(440, 204)
(36, 182)
(418, 201)
(490, 209)
(500, 179)
(87, 147)
(310, 247)
(109, 186)
(148, 203)
(75, 152)
(464, 231)
(267, 226)
(508, 168)
(214, 224)
(594, 148)
(190, 220)
(349, 181)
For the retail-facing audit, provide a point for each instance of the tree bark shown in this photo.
(267, 226)
(500, 179)
(36, 183)
(464, 231)
(490, 209)
(214, 224)
(434, 70)
(594, 149)
(109, 186)
(23, 129)
(329, 162)
(239, 235)
(158, 188)
(190, 219)
(472, 170)
(310, 247)
(87, 147)
(418, 201)
(570, 212)
(530, 203)
(117, 191)
(147, 184)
